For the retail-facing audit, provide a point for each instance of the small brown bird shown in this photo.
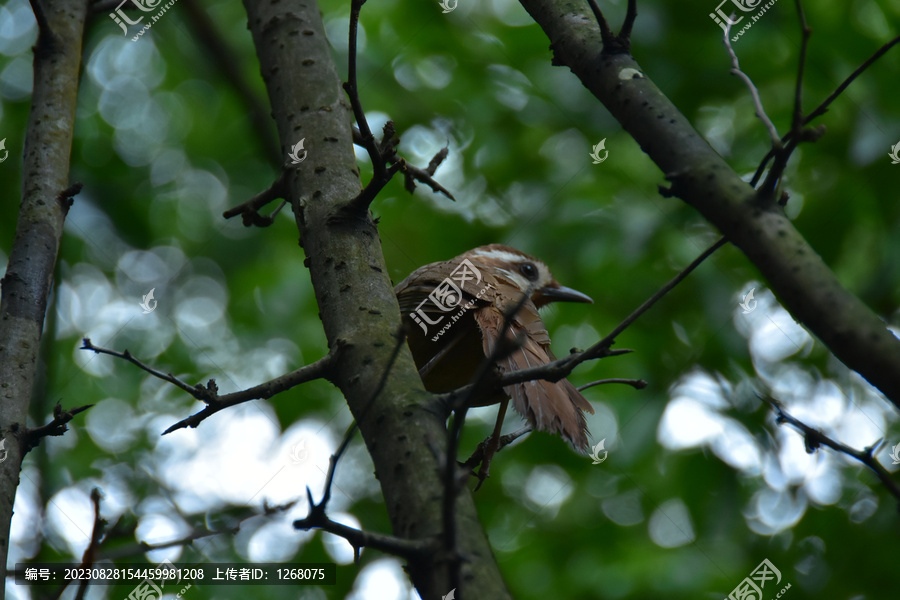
(454, 312)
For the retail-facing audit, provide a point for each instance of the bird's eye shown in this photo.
(529, 271)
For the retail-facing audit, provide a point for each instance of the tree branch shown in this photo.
(318, 519)
(823, 107)
(505, 440)
(637, 384)
(356, 300)
(815, 438)
(209, 394)
(249, 210)
(56, 427)
(757, 102)
(793, 270)
(381, 154)
(46, 197)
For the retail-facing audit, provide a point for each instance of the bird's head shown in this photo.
(524, 271)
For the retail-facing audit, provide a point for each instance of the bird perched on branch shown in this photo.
(454, 312)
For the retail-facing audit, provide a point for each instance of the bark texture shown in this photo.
(29, 275)
(357, 304)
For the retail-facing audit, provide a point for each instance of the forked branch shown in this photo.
(209, 394)
(814, 439)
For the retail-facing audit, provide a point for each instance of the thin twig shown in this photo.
(606, 34)
(637, 384)
(249, 210)
(321, 369)
(615, 44)
(624, 37)
(317, 513)
(606, 342)
(55, 427)
(815, 438)
(96, 536)
(505, 440)
(760, 111)
(318, 519)
(823, 107)
(384, 153)
(503, 347)
(350, 86)
(805, 32)
(409, 549)
(198, 391)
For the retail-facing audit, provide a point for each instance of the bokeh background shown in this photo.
(699, 486)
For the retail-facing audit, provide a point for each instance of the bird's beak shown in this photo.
(561, 293)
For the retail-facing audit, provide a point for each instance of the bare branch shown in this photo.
(505, 440)
(318, 519)
(757, 102)
(606, 34)
(637, 384)
(55, 427)
(805, 32)
(409, 549)
(368, 140)
(321, 369)
(204, 394)
(249, 210)
(615, 44)
(384, 153)
(815, 438)
(90, 553)
(624, 37)
(195, 534)
(604, 344)
(823, 107)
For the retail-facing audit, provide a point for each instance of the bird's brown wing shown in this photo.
(447, 353)
(547, 406)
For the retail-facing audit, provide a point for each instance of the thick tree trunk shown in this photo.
(356, 301)
(793, 270)
(29, 275)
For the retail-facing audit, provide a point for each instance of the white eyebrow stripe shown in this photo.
(502, 255)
